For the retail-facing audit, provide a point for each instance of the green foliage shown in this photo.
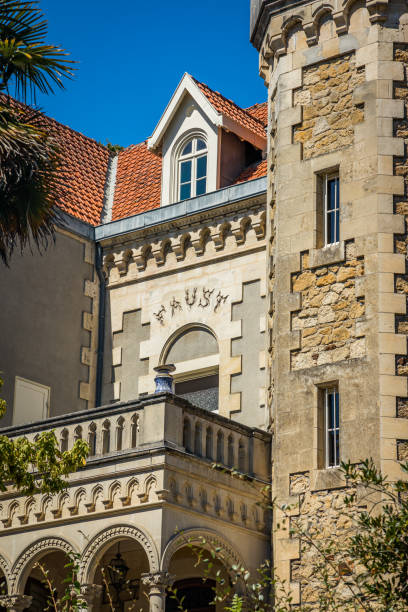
(31, 183)
(27, 64)
(28, 175)
(365, 570)
(39, 466)
(114, 148)
(71, 600)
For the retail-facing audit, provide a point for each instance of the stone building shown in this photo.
(159, 259)
(262, 251)
(336, 73)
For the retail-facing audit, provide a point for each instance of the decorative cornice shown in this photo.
(198, 237)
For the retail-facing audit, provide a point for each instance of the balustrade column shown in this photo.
(15, 603)
(157, 584)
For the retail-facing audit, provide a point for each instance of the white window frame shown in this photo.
(334, 211)
(331, 431)
(193, 157)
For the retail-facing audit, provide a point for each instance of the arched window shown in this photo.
(192, 169)
(197, 345)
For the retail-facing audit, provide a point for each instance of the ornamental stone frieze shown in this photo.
(151, 253)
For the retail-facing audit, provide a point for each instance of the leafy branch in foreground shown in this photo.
(27, 63)
(31, 181)
(355, 559)
(39, 466)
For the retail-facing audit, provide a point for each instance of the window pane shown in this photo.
(336, 396)
(331, 227)
(185, 191)
(202, 166)
(188, 148)
(201, 186)
(332, 191)
(337, 219)
(201, 145)
(185, 171)
(331, 442)
(330, 410)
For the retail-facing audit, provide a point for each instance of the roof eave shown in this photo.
(186, 85)
(244, 133)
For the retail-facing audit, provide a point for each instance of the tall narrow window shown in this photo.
(331, 209)
(332, 426)
(192, 169)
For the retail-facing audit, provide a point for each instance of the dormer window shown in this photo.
(192, 169)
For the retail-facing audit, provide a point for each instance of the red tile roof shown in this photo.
(260, 112)
(138, 181)
(254, 171)
(83, 163)
(233, 111)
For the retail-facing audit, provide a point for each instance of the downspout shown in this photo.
(101, 325)
(106, 216)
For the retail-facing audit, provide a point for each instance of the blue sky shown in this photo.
(132, 54)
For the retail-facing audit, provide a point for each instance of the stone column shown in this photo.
(156, 584)
(92, 593)
(15, 603)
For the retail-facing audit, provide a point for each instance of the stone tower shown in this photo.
(336, 72)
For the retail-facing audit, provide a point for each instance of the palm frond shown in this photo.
(31, 181)
(27, 64)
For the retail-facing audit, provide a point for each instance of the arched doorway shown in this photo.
(3, 588)
(47, 574)
(194, 581)
(117, 567)
(197, 596)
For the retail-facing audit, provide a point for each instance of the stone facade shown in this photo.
(328, 323)
(338, 312)
(326, 98)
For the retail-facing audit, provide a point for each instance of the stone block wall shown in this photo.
(329, 114)
(328, 319)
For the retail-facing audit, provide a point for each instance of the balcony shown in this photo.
(149, 484)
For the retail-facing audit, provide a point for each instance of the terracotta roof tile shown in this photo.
(254, 171)
(260, 112)
(83, 163)
(233, 111)
(138, 182)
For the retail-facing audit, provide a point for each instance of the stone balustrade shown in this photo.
(163, 419)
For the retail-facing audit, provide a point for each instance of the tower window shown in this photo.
(192, 169)
(332, 426)
(331, 199)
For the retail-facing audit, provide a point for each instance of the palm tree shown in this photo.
(30, 180)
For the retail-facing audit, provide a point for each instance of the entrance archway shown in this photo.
(47, 574)
(197, 596)
(118, 568)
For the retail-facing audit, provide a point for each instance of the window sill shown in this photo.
(327, 255)
(327, 478)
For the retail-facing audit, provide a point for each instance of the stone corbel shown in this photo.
(311, 33)
(258, 224)
(377, 10)
(197, 240)
(340, 21)
(238, 230)
(120, 261)
(177, 245)
(139, 257)
(158, 252)
(15, 603)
